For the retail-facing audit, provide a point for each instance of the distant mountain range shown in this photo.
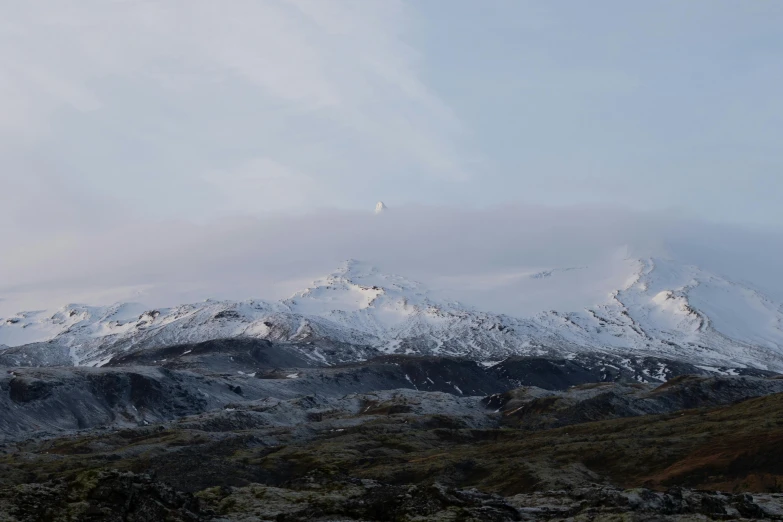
(665, 310)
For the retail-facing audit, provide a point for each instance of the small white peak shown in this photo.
(354, 268)
(380, 207)
(349, 264)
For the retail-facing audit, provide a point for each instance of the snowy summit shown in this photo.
(380, 207)
(665, 309)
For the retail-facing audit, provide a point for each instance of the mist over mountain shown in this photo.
(650, 306)
(482, 257)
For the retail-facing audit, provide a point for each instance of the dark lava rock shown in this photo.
(22, 389)
(222, 355)
(106, 496)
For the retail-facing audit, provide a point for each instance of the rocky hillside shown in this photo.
(599, 452)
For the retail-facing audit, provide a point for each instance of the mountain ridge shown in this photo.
(665, 309)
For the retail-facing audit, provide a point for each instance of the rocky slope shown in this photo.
(529, 454)
(218, 376)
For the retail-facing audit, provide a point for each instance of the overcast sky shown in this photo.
(147, 115)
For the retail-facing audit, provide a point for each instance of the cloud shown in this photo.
(138, 139)
(481, 257)
(141, 106)
(263, 185)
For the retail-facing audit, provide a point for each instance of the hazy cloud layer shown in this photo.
(492, 258)
(171, 151)
(191, 110)
(201, 109)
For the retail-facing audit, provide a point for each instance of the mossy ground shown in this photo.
(737, 448)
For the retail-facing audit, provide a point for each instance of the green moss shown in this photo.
(83, 483)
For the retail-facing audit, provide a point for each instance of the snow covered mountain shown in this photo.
(665, 310)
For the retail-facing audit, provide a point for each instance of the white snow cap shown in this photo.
(380, 207)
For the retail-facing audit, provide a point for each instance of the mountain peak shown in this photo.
(380, 207)
(664, 308)
(354, 268)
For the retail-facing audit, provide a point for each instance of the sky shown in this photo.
(135, 119)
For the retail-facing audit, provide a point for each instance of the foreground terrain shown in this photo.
(373, 442)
